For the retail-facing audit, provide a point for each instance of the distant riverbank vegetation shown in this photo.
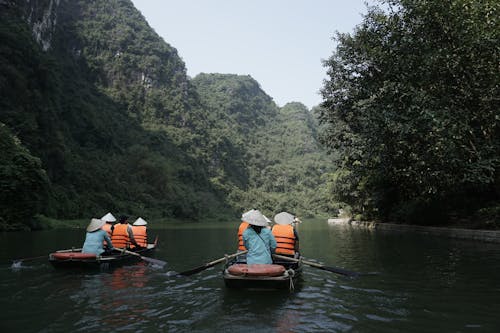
(97, 114)
(411, 111)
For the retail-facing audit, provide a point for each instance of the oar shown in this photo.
(29, 259)
(320, 266)
(211, 264)
(150, 260)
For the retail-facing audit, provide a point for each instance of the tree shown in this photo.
(411, 107)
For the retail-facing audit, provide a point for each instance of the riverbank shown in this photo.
(492, 236)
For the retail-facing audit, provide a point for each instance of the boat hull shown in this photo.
(288, 280)
(100, 262)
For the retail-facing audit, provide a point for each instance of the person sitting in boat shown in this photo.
(243, 226)
(140, 232)
(258, 240)
(286, 235)
(123, 236)
(95, 238)
(110, 223)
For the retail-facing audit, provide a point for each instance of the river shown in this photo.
(424, 284)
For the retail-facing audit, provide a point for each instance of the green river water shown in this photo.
(425, 284)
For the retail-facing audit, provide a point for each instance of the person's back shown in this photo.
(120, 237)
(123, 236)
(260, 243)
(95, 238)
(285, 234)
(139, 230)
(285, 238)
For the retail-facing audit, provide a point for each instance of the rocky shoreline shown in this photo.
(492, 236)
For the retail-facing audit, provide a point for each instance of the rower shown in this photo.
(95, 237)
(140, 232)
(123, 235)
(258, 239)
(286, 235)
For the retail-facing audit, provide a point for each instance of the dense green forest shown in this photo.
(411, 109)
(97, 114)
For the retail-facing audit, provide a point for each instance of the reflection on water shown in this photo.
(427, 284)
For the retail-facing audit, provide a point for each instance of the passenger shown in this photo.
(258, 240)
(123, 236)
(110, 223)
(95, 238)
(286, 235)
(140, 232)
(241, 229)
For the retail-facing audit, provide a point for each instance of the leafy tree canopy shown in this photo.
(411, 109)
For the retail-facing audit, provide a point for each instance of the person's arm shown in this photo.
(131, 235)
(272, 242)
(108, 240)
(245, 239)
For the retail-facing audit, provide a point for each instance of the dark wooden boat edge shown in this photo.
(100, 262)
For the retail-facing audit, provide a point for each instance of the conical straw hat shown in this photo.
(108, 218)
(140, 221)
(95, 224)
(256, 218)
(284, 218)
(244, 215)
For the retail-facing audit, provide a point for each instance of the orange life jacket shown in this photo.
(120, 236)
(140, 235)
(285, 239)
(241, 229)
(107, 227)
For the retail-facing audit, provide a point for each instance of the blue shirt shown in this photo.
(260, 246)
(94, 242)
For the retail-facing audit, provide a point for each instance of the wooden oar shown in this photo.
(29, 259)
(150, 260)
(211, 264)
(320, 266)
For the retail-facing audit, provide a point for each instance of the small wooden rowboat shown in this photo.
(280, 275)
(74, 258)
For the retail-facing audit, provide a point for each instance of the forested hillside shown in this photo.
(97, 114)
(279, 161)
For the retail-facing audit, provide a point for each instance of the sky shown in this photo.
(279, 43)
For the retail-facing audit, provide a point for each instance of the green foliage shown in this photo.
(24, 185)
(109, 121)
(412, 109)
(274, 150)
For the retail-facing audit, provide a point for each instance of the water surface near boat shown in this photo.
(426, 284)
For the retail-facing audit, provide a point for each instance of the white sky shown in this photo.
(280, 43)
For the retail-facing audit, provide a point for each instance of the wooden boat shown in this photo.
(282, 274)
(74, 258)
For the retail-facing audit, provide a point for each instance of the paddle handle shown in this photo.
(215, 262)
(307, 262)
(127, 251)
(316, 265)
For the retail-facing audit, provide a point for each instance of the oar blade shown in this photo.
(194, 270)
(153, 261)
(339, 271)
